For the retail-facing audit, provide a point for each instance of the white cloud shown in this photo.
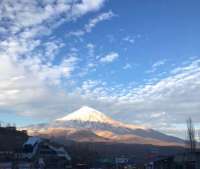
(27, 89)
(127, 66)
(26, 14)
(131, 39)
(156, 65)
(91, 49)
(159, 63)
(52, 48)
(110, 57)
(102, 17)
(29, 78)
(54, 73)
(86, 6)
(92, 23)
(157, 114)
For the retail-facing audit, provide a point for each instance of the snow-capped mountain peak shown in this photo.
(87, 114)
(87, 122)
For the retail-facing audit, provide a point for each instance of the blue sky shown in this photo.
(137, 61)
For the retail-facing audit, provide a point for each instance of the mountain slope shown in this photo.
(88, 124)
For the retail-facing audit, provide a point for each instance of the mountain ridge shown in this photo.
(95, 124)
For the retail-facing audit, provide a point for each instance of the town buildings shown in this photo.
(179, 161)
(36, 153)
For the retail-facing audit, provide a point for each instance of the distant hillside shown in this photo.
(11, 139)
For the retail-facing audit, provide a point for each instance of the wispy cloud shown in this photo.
(127, 66)
(157, 65)
(92, 23)
(131, 39)
(110, 57)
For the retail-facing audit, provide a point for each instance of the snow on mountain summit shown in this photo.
(87, 114)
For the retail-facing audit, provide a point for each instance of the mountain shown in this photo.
(88, 117)
(89, 125)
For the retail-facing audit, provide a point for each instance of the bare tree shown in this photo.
(8, 124)
(198, 146)
(191, 140)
